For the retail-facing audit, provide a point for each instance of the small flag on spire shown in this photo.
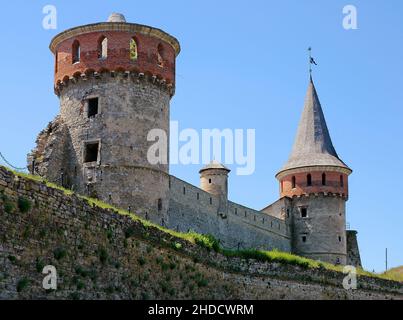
(313, 61)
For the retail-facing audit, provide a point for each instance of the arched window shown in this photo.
(341, 181)
(76, 52)
(103, 47)
(56, 61)
(309, 180)
(293, 182)
(160, 55)
(133, 49)
(323, 179)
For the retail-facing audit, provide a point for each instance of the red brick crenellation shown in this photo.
(333, 184)
(118, 57)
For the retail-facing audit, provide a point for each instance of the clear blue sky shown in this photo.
(244, 65)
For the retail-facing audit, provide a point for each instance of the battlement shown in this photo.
(113, 47)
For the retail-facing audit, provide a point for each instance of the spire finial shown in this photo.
(311, 62)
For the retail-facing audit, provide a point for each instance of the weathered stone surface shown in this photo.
(96, 257)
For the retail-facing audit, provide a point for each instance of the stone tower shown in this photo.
(316, 180)
(214, 180)
(114, 81)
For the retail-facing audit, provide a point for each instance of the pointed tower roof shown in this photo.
(313, 145)
(214, 165)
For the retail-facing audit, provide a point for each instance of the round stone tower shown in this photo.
(214, 180)
(317, 181)
(115, 81)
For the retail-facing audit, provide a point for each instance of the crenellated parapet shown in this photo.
(314, 180)
(110, 47)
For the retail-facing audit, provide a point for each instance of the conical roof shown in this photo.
(214, 165)
(313, 145)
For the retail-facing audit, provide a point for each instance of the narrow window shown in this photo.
(184, 190)
(209, 181)
(211, 200)
(309, 180)
(133, 49)
(341, 181)
(103, 48)
(303, 238)
(160, 55)
(304, 212)
(339, 239)
(236, 210)
(92, 107)
(198, 196)
(91, 152)
(293, 182)
(323, 179)
(159, 204)
(76, 51)
(56, 61)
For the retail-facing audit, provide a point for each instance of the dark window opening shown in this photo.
(293, 182)
(304, 212)
(92, 107)
(211, 201)
(339, 239)
(56, 61)
(103, 48)
(309, 180)
(184, 190)
(160, 55)
(303, 238)
(323, 179)
(76, 52)
(341, 181)
(209, 180)
(159, 204)
(198, 196)
(91, 152)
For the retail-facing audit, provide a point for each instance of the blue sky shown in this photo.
(244, 65)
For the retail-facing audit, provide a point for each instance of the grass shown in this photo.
(395, 274)
(208, 241)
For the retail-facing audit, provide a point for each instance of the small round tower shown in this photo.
(317, 181)
(115, 81)
(214, 179)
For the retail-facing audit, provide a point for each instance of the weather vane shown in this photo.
(311, 61)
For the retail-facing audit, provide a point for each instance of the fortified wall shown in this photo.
(101, 254)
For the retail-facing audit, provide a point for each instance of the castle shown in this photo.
(115, 81)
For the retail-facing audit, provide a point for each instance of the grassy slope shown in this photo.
(211, 243)
(395, 274)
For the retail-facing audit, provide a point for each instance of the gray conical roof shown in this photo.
(214, 165)
(313, 145)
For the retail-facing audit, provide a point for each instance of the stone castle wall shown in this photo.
(191, 208)
(100, 254)
(353, 253)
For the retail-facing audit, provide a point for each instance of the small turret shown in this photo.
(214, 179)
